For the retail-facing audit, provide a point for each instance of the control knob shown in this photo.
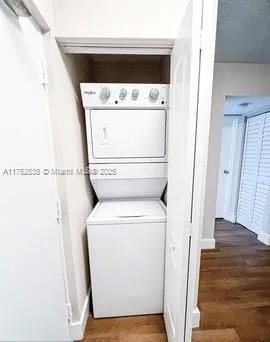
(135, 94)
(154, 93)
(105, 93)
(123, 94)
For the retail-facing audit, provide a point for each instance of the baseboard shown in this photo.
(196, 318)
(77, 328)
(264, 238)
(208, 243)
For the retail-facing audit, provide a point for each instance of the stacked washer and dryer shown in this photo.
(127, 148)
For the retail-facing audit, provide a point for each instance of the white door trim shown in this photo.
(139, 46)
(77, 328)
(208, 243)
(196, 318)
(37, 16)
(201, 158)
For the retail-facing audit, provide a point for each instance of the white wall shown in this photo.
(70, 151)
(234, 79)
(118, 18)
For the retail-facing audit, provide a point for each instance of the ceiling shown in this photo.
(250, 104)
(243, 31)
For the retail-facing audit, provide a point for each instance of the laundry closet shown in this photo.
(126, 103)
(156, 92)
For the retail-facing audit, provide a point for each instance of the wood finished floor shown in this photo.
(149, 328)
(234, 293)
(234, 297)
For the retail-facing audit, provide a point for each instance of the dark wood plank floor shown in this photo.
(234, 294)
(234, 297)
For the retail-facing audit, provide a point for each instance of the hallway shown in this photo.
(234, 294)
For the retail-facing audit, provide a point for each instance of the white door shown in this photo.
(262, 187)
(185, 65)
(250, 168)
(225, 168)
(32, 291)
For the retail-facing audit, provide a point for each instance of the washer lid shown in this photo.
(127, 211)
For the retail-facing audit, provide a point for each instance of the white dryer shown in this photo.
(127, 148)
(126, 128)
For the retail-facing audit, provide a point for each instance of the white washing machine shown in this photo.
(126, 246)
(127, 149)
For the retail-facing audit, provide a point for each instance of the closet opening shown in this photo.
(107, 69)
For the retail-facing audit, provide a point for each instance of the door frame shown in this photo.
(208, 44)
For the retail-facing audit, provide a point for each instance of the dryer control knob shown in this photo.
(105, 93)
(135, 94)
(154, 93)
(123, 94)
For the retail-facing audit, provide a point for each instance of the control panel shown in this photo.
(103, 95)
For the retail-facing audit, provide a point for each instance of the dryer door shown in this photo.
(128, 133)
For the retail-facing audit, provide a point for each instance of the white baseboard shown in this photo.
(196, 318)
(264, 238)
(208, 243)
(77, 328)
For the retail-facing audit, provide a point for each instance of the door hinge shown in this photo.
(202, 39)
(58, 211)
(69, 311)
(44, 75)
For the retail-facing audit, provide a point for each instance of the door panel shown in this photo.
(185, 63)
(128, 133)
(262, 186)
(225, 163)
(32, 290)
(250, 169)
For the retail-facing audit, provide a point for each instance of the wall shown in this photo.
(118, 18)
(234, 79)
(76, 196)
